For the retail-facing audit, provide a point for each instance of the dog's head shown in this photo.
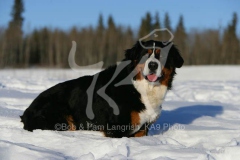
(154, 61)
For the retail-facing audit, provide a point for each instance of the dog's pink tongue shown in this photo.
(152, 77)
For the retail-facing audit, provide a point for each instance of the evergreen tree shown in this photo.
(16, 14)
(230, 51)
(100, 26)
(13, 35)
(111, 42)
(180, 37)
(146, 26)
(100, 38)
(111, 24)
(180, 25)
(141, 31)
(35, 39)
(167, 24)
(157, 23)
(148, 22)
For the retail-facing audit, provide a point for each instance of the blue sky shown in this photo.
(64, 14)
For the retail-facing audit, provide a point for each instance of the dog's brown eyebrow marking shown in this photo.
(149, 51)
(158, 51)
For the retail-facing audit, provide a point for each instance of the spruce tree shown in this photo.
(157, 24)
(148, 23)
(100, 26)
(180, 37)
(111, 24)
(167, 24)
(111, 42)
(13, 35)
(16, 14)
(146, 26)
(230, 47)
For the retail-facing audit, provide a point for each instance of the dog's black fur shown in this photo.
(70, 98)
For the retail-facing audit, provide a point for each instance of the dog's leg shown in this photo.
(143, 131)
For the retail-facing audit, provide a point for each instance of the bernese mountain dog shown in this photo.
(120, 101)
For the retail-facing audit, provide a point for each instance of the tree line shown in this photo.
(47, 47)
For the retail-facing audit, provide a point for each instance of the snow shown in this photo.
(200, 119)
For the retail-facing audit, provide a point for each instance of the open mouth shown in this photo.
(152, 77)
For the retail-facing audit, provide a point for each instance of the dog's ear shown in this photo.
(134, 52)
(129, 54)
(175, 57)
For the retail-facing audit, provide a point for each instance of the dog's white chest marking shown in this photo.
(152, 97)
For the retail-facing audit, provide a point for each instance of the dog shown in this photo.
(120, 101)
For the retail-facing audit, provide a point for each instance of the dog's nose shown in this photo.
(152, 66)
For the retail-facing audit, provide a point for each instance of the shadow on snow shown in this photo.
(183, 115)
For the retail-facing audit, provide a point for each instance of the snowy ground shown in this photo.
(200, 120)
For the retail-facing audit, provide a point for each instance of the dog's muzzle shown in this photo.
(152, 66)
(152, 75)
